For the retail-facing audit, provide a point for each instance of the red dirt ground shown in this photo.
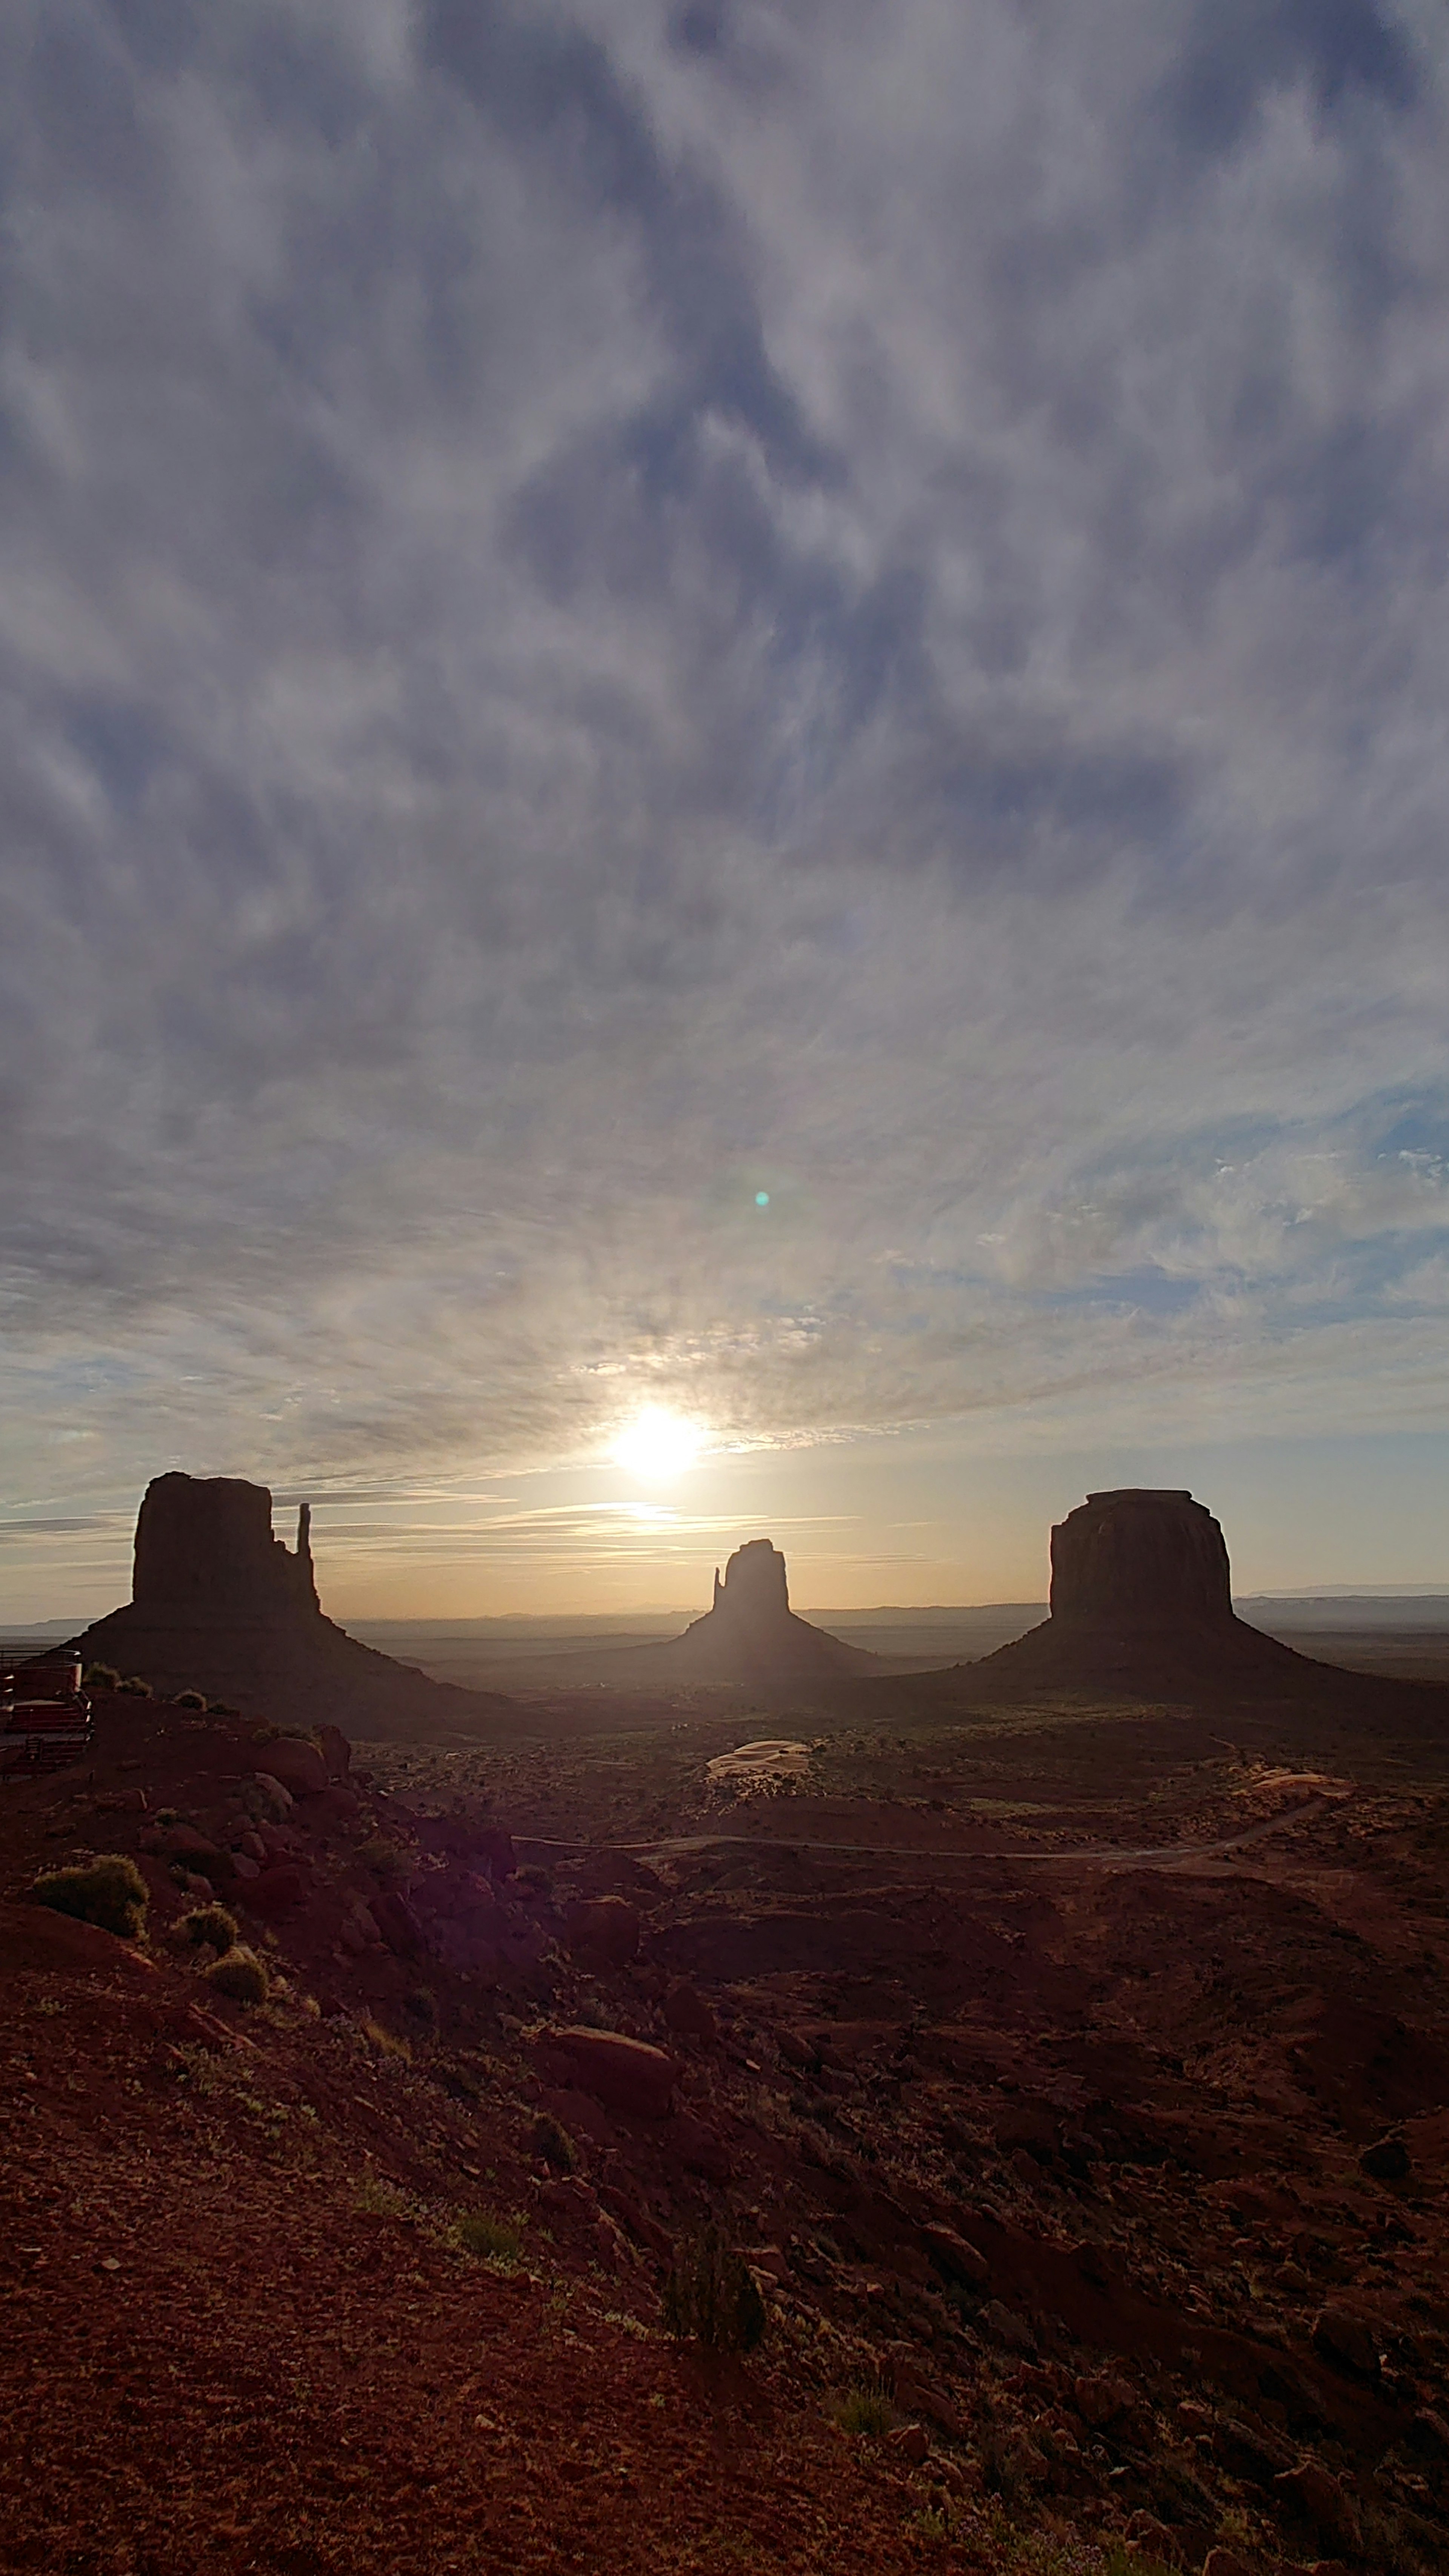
(1061, 2155)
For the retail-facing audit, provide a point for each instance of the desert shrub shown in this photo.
(387, 1861)
(383, 2042)
(109, 1891)
(552, 2144)
(221, 1708)
(421, 2006)
(241, 1976)
(533, 1879)
(710, 2295)
(866, 2409)
(136, 1688)
(100, 1677)
(191, 1699)
(483, 2231)
(379, 2198)
(209, 1923)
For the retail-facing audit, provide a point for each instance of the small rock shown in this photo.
(1225, 2562)
(697, 2147)
(1102, 2398)
(1008, 2328)
(686, 2011)
(1149, 2533)
(605, 1928)
(1429, 2432)
(1386, 2161)
(273, 1892)
(243, 1867)
(1347, 2341)
(397, 1923)
(911, 2441)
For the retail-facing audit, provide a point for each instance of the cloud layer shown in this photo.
(606, 610)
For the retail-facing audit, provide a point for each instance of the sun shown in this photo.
(658, 1445)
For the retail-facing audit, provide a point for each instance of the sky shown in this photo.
(735, 707)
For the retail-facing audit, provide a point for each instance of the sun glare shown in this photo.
(658, 1444)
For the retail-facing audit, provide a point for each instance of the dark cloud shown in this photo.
(1239, 52)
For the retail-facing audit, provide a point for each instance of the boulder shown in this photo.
(697, 2147)
(953, 2256)
(276, 1801)
(397, 1923)
(686, 2011)
(273, 1892)
(605, 1928)
(1322, 2502)
(1347, 2342)
(296, 1764)
(1102, 2398)
(625, 2074)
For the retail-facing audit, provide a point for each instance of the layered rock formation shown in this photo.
(750, 1633)
(749, 1638)
(220, 1605)
(1141, 1608)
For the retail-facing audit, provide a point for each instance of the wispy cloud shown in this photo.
(602, 611)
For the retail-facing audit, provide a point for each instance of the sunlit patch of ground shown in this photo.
(759, 1770)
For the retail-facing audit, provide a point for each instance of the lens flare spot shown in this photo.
(762, 1198)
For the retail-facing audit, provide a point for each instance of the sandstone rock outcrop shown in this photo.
(1140, 1557)
(751, 1635)
(221, 1606)
(1141, 1607)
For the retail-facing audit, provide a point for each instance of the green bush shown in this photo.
(482, 2231)
(210, 1923)
(191, 1699)
(241, 1976)
(710, 2294)
(100, 1677)
(865, 2409)
(109, 1891)
(136, 1688)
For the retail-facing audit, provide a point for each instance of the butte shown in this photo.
(220, 1605)
(1141, 1608)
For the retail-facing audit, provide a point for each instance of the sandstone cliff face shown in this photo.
(220, 1605)
(751, 1634)
(204, 1549)
(1140, 1556)
(1141, 1608)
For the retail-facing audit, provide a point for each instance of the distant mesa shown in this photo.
(749, 1638)
(220, 1605)
(1141, 1607)
(751, 1634)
